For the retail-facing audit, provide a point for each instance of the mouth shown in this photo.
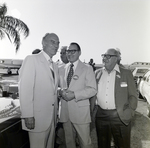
(55, 50)
(105, 61)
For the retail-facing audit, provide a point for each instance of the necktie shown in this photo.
(51, 68)
(70, 74)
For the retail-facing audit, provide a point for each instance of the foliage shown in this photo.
(12, 27)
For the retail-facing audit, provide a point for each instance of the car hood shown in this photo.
(8, 82)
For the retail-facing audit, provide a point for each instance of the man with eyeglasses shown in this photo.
(116, 102)
(78, 84)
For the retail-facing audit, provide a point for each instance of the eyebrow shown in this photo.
(55, 41)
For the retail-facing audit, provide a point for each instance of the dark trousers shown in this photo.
(108, 124)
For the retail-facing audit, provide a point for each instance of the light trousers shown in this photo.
(42, 139)
(80, 131)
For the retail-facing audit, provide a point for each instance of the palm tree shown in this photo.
(12, 27)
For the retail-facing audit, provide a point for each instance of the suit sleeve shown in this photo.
(90, 86)
(26, 87)
(132, 91)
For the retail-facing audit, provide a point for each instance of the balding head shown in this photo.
(63, 55)
(119, 57)
(110, 59)
(112, 51)
(50, 44)
(48, 37)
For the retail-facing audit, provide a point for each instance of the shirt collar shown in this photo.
(46, 56)
(75, 64)
(116, 68)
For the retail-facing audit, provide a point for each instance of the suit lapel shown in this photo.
(66, 74)
(55, 74)
(117, 85)
(46, 65)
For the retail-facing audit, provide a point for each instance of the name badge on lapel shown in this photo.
(124, 84)
(75, 77)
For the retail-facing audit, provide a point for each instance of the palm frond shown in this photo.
(12, 34)
(12, 27)
(19, 25)
(2, 34)
(3, 10)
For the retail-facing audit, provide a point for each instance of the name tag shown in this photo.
(124, 84)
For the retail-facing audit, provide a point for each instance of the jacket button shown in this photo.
(52, 104)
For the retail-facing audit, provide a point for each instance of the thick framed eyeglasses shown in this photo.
(62, 53)
(108, 56)
(71, 51)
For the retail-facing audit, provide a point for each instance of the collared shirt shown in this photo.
(48, 59)
(106, 89)
(74, 67)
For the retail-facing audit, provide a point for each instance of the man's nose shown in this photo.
(105, 59)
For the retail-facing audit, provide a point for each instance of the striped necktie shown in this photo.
(51, 67)
(70, 74)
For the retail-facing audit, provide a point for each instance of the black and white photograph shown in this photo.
(74, 74)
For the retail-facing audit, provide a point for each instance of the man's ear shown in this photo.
(43, 43)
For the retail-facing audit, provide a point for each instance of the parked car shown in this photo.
(144, 89)
(138, 64)
(8, 86)
(139, 72)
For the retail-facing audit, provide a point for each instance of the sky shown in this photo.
(96, 25)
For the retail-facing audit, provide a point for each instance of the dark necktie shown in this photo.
(70, 74)
(53, 73)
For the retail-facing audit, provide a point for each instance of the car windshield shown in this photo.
(141, 71)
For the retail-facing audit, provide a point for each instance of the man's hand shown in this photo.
(30, 123)
(67, 95)
(70, 95)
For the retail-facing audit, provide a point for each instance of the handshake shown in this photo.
(66, 94)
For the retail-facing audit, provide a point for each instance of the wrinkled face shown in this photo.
(73, 53)
(110, 59)
(63, 56)
(51, 44)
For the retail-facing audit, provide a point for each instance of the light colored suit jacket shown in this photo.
(38, 91)
(125, 94)
(83, 84)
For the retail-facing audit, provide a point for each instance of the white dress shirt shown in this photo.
(74, 67)
(106, 89)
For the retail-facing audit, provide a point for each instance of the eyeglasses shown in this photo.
(62, 53)
(108, 56)
(71, 51)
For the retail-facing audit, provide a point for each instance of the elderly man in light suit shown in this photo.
(38, 83)
(116, 100)
(75, 106)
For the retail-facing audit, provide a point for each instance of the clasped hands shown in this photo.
(66, 94)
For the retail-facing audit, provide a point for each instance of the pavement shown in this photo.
(142, 107)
